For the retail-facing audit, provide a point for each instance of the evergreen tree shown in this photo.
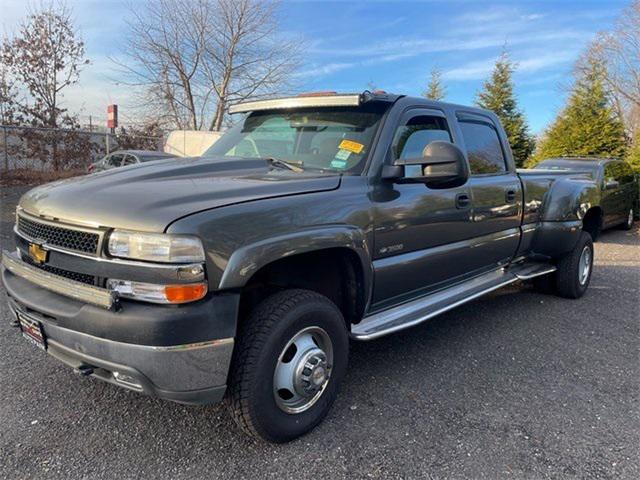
(588, 124)
(497, 95)
(435, 89)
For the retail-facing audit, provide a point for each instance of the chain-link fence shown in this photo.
(32, 154)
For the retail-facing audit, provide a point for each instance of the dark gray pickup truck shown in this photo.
(315, 219)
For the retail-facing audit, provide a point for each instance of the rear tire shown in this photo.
(628, 224)
(574, 269)
(289, 360)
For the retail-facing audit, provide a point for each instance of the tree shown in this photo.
(497, 95)
(619, 52)
(44, 58)
(148, 136)
(8, 94)
(588, 124)
(195, 57)
(435, 89)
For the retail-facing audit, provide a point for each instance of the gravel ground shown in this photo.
(514, 385)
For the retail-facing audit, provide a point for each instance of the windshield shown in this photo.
(337, 139)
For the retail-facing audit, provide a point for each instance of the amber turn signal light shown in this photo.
(185, 293)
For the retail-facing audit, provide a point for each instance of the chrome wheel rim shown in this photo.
(630, 218)
(584, 266)
(303, 370)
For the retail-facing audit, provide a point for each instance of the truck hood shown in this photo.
(148, 197)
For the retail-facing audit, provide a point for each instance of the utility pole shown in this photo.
(6, 149)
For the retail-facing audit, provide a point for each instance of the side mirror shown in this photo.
(611, 184)
(442, 165)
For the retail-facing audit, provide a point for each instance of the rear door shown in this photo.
(496, 190)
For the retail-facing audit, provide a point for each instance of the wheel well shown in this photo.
(592, 222)
(335, 273)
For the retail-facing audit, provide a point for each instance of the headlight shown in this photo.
(150, 292)
(156, 247)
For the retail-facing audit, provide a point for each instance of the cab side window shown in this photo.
(627, 173)
(411, 139)
(484, 149)
(614, 172)
(115, 160)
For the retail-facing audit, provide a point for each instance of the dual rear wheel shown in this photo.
(573, 274)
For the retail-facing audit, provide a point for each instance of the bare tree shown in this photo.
(619, 51)
(165, 49)
(245, 56)
(194, 57)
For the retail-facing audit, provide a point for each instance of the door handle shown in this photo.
(462, 200)
(510, 196)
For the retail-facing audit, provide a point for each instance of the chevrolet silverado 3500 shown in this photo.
(242, 275)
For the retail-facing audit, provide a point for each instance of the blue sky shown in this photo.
(391, 44)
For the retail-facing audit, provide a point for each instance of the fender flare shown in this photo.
(247, 260)
(569, 199)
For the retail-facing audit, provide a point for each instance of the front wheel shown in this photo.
(290, 358)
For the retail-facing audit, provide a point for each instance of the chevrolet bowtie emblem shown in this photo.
(37, 253)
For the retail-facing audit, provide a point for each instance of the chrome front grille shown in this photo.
(66, 238)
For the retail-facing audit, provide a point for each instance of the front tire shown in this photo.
(290, 358)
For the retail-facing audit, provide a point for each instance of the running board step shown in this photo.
(422, 309)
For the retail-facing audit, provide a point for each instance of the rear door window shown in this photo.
(484, 149)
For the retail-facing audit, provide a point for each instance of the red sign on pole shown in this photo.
(112, 116)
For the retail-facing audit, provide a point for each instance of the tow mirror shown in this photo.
(442, 165)
(611, 184)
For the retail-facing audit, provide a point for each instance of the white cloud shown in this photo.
(531, 62)
(395, 49)
(532, 16)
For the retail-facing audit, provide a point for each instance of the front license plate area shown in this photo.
(32, 331)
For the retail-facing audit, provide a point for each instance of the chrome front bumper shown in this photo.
(180, 353)
(192, 373)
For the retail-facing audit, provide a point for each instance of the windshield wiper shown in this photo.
(277, 162)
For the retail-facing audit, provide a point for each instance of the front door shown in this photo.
(419, 231)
